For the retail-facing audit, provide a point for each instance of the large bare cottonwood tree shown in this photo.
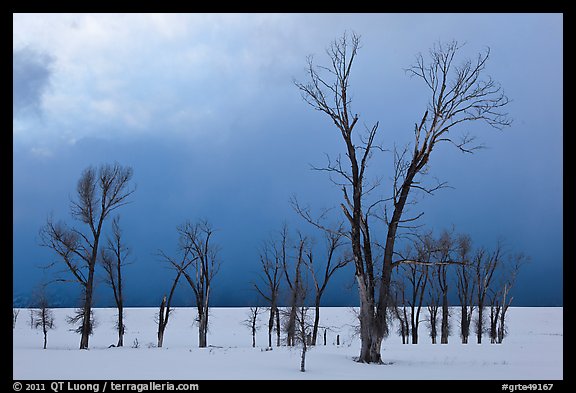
(99, 192)
(459, 94)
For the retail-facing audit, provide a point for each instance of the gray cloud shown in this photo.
(31, 72)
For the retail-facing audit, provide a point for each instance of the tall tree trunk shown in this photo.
(444, 325)
(414, 326)
(202, 327)
(369, 335)
(464, 327)
(45, 334)
(160, 336)
(303, 357)
(120, 326)
(162, 320)
(270, 326)
(120, 306)
(278, 330)
(202, 341)
(316, 319)
(494, 311)
(86, 320)
(433, 311)
(291, 325)
(480, 325)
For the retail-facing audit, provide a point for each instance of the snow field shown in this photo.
(532, 351)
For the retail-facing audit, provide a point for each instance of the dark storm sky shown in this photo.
(204, 108)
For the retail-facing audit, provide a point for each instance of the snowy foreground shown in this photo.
(532, 351)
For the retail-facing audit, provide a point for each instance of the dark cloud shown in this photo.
(31, 73)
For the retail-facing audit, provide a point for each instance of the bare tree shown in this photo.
(465, 285)
(43, 315)
(434, 294)
(99, 193)
(444, 259)
(295, 282)
(417, 275)
(333, 262)
(302, 325)
(269, 289)
(459, 95)
(165, 311)
(113, 258)
(15, 313)
(201, 256)
(303, 335)
(508, 280)
(162, 321)
(485, 265)
(495, 309)
(252, 322)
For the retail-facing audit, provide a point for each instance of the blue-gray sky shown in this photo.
(204, 108)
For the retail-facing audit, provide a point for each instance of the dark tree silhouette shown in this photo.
(485, 265)
(43, 316)
(293, 274)
(99, 193)
(252, 322)
(459, 94)
(322, 271)
(270, 277)
(113, 259)
(200, 255)
(465, 285)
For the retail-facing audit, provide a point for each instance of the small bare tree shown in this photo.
(485, 265)
(465, 285)
(269, 288)
(417, 274)
(99, 193)
(495, 309)
(295, 281)
(113, 259)
(43, 315)
(252, 322)
(200, 255)
(333, 262)
(303, 334)
(165, 310)
(434, 294)
(15, 313)
(444, 259)
(508, 278)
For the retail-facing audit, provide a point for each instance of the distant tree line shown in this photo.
(482, 280)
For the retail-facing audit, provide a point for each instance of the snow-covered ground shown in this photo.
(532, 350)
